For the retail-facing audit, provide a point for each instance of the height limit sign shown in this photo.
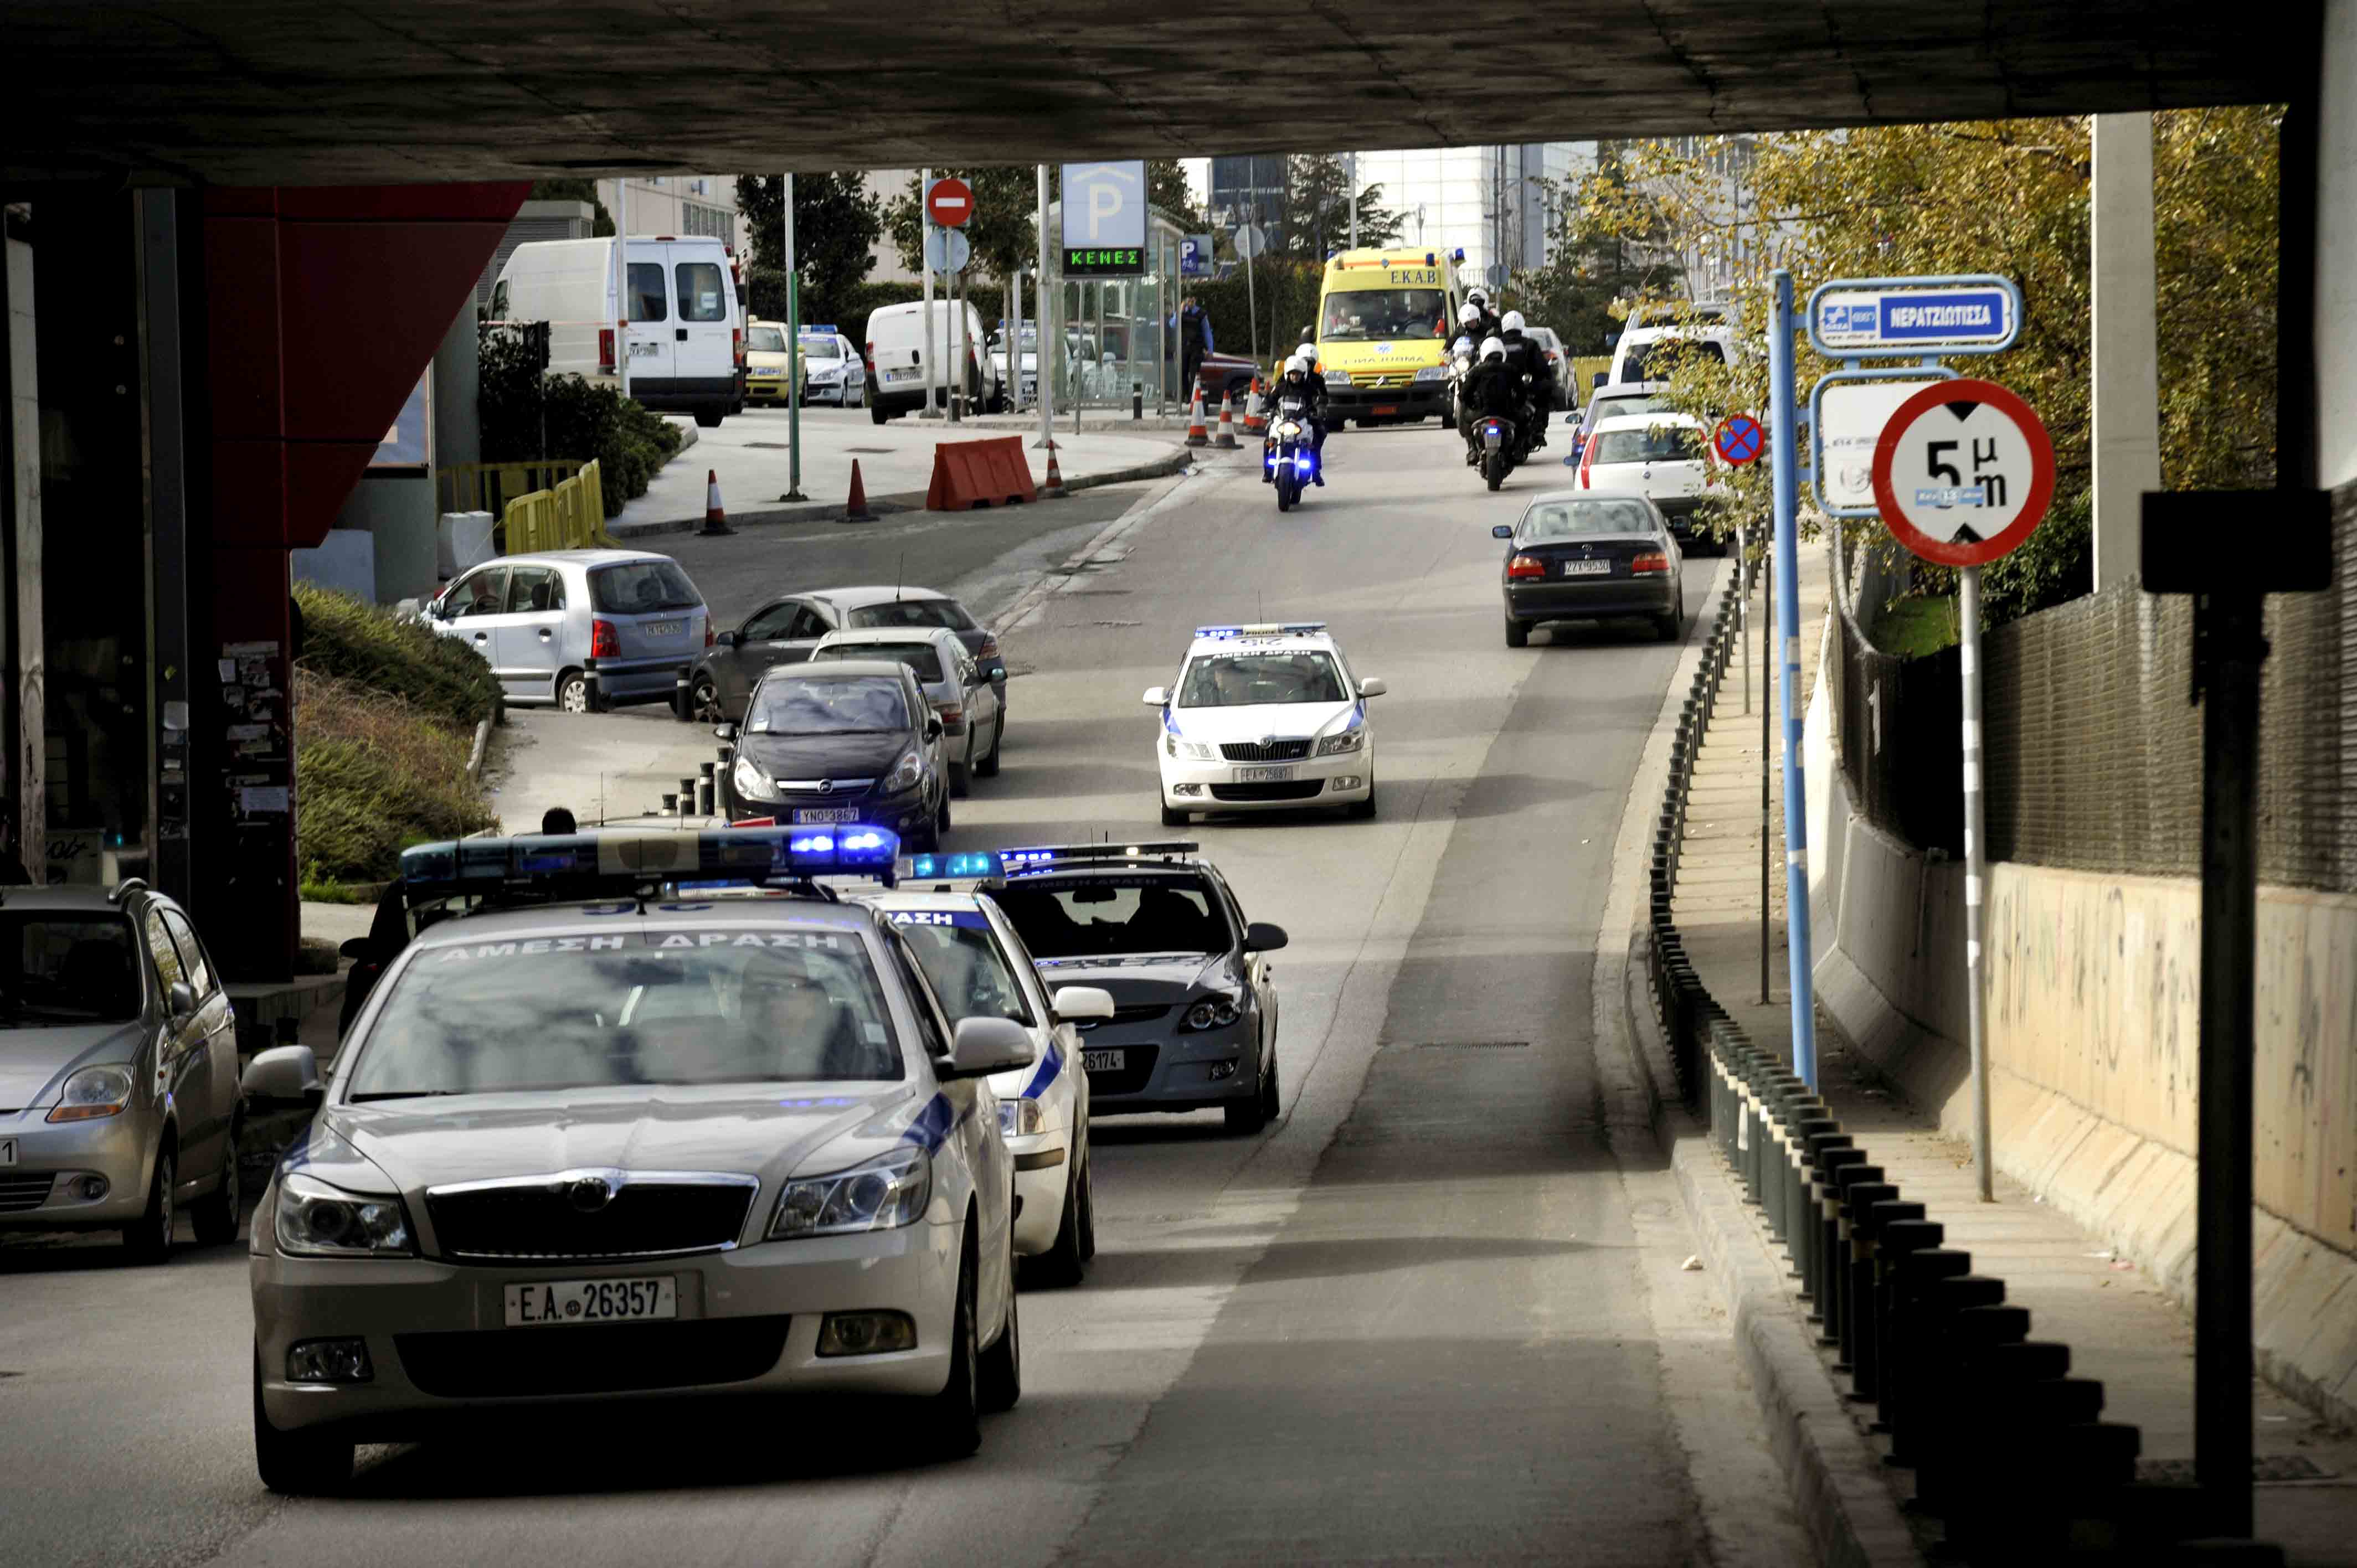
(1963, 471)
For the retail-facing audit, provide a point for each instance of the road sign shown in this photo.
(1250, 241)
(947, 250)
(949, 201)
(1104, 220)
(1195, 256)
(1871, 317)
(1739, 439)
(1848, 412)
(1497, 273)
(1962, 472)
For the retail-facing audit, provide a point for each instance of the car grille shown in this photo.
(599, 1358)
(19, 1193)
(1275, 751)
(1298, 790)
(536, 1219)
(1132, 1078)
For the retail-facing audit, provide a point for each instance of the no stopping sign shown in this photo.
(1963, 471)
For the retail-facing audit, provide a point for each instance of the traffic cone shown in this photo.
(1227, 423)
(716, 516)
(1054, 487)
(1256, 411)
(1196, 435)
(855, 508)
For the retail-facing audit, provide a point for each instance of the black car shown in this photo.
(1194, 1025)
(1588, 555)
(845, 741)
(785, 629)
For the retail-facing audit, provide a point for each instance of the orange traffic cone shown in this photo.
(1227, 423)
(1054, 487)
(1196, 435)
(855, 508)
(1256, 410)
(716, 516)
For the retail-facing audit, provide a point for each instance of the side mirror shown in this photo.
(1502, 530)
(982, 1046)
(181, 998)
(282, 1079)
(1262, 937)
(999, 676)
(933, 729)
(725, 731)
(1156, 697)
(358, 948)
(726, 639)
(1373, 686)
(1074, 1003)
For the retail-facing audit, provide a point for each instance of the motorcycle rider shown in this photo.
(1496, 388)
(1300, 380)
(1532, 358)
(1483, 325)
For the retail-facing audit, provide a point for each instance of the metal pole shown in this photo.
(1015, 344)
(1968, 614)
(1351, 196)
(793, 358)
(1780, 418)
(953, 280)
(622, 264)
(1767, 838)
(1251, 302)
(925, 249)
(1050, 362)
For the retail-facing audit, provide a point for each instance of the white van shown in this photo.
(1705, 328)
(896, 359)
(684, 320)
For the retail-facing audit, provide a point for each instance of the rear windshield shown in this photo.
(963, 963)
(921, 656)
(1654, 360)
(768, 340)
(642, 587)
(1657, 444)
(910, 612)
(650, 1007)
(839, 705)
(1116, 913)
(1621, 407)
(1571, 519)
(66, 969)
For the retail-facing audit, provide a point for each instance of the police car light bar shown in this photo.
(970, 865)
(619, 861)
(1263, 629)
(1039, 857)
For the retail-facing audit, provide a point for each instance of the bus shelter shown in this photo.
(1120, 334)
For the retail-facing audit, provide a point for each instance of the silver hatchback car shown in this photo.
(581, 629)
(118, 1069)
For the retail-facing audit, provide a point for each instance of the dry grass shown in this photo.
(374, 773)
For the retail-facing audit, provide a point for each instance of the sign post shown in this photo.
(793, 358)
(1739, 439)
(1781, 421)
(925, 237)
(1962, 474)
(1051, 340)
(1250, 243)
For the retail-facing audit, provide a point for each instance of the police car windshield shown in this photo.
(813, 704)
(822, 348)
(1116, 913)
(1364, 315)
(666, 1007)
(1246, 678)
(963, 963)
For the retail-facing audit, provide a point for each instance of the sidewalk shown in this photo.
(750, 455)
(2120, 1327)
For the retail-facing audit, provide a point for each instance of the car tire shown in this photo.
(1063, 1263)
(1088, 1203)
(297, 1464)
(998, 1379)
(956, 1425)
(875, 415)
(1669, 624)
(1249, 1116)
(148, 1239)
(1172, 817)
(1362, 810)
(988, 766)
(704, 700)
(961, 773)
(1518, 632)
(710, 418)
(215, 1216)
(573, 692)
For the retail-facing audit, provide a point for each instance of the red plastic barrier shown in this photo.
(968, 474)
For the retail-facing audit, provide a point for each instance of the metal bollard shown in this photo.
(678, 694)
(590, 678)
(1928, 1410)
(1859, 1201)
(1826, 1276)
(670, 805)
(1920, 1274)
(1813, 1122)
(1903, 1231)
(704, 796)
(1844, 1253)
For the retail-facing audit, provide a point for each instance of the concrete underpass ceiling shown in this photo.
(294, 92)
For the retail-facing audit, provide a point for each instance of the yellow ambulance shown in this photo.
(1385, 322)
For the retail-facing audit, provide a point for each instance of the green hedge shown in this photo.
(527, 415)
(444, 678)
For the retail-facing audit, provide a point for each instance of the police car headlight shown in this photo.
(1217, 1013)
(1022, 1118)
(888, 1191)
(751, 783)
(1194, 751)
(1335, 745)
(316, 1220)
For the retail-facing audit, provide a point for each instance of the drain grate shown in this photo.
(2273, 1467)
(1472, 1045)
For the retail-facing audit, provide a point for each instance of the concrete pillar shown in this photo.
(2126, 396)
(24, 754)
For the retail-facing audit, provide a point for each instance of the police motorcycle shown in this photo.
(1287, 451)
(1496, 443)
(1460, 365)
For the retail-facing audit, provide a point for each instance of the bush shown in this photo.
(443, 678)
(527, 415)
(374, 774)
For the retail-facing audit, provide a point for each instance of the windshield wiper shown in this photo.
(403, 1094)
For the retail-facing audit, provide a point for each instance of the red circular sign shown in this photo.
(1739, 439)
(1962, 472)
(949, 201)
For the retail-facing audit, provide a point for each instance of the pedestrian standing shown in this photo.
(1194, 342)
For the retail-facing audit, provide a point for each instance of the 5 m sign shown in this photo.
(1963, 471)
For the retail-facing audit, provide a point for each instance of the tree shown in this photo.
(1318, 210)
(1003, 230)
(1166, 187)
(836, 224)
(1610, 246)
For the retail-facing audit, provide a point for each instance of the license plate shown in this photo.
(1263, 775)
(900, 375)
(828, 814)
(1103, 1059)
(1587, 568)
(645, 351)
(1386, 408)
(665, 627)
(7, 1151)
(592, 1301)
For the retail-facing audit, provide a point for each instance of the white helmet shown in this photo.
(1468, 313)
(1492, 349)
(1512, 322)
(1475, 297)
(1299, 361)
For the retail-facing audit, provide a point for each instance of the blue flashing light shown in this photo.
(819, 329)
(1260, 629)
(966, 865)
(616, 861)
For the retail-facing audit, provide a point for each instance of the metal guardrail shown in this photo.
(489, 486)
(2009, 1451)
(569, 516)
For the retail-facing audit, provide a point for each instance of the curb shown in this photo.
(475, 754)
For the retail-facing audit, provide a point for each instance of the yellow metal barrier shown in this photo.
(569, 516)
(489, 486)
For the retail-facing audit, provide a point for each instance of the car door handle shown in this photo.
(679, 333)
(482, 636)
(545, 634)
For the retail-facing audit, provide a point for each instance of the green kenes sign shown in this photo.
(1118, 261)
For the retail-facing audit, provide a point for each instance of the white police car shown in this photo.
(1265, 717)
(600, 1134)
(979, 967)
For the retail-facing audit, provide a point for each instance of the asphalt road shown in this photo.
(1435, 1314)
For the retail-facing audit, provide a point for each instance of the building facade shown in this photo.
(675, 204)
(1493, 201)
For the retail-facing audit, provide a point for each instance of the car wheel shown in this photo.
(704, 700)
(988, 766)
(998, 1379)
(941, 818)
(1088, 1204)
(1268, 1091)
(297, 1464)
(1518, 632)
(573, 692)
(957, 1409)
(148, 1239)
(216, 1215)
(1061, 1264)
(1175, 819)
(1250, 1116)
(875, 415)
(1668, 623)
(961, 773)
(1364, 809)
(710, 418)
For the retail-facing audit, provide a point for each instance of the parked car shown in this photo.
(1658, 456)
(683, 328)
(1612, 401)
(785, 631)
(963, 698)
(832, 370)
(1646, 351)
(119, 1051)
(548, 623)
(898, 377)
(844, 741)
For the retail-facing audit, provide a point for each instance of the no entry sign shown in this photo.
(1963, 471)
(1739, 439)
(949, 201)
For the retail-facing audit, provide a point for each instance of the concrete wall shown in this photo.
(400, 510)
(24, 777)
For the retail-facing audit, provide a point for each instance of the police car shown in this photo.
(979, 967)
(603, 1133)
(1265, 717)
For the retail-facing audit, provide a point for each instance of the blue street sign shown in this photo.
(1195, 256)
(1852, 319)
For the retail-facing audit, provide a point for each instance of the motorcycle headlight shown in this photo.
(905, 772)
(1213, 1012)
(1352, 739)
(887, 1192)
(1022, 1118)
(751, 783)
(316, 1220)
(91, 1094)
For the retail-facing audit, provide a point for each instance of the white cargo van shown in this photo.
(684, 322)
(896, 359)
